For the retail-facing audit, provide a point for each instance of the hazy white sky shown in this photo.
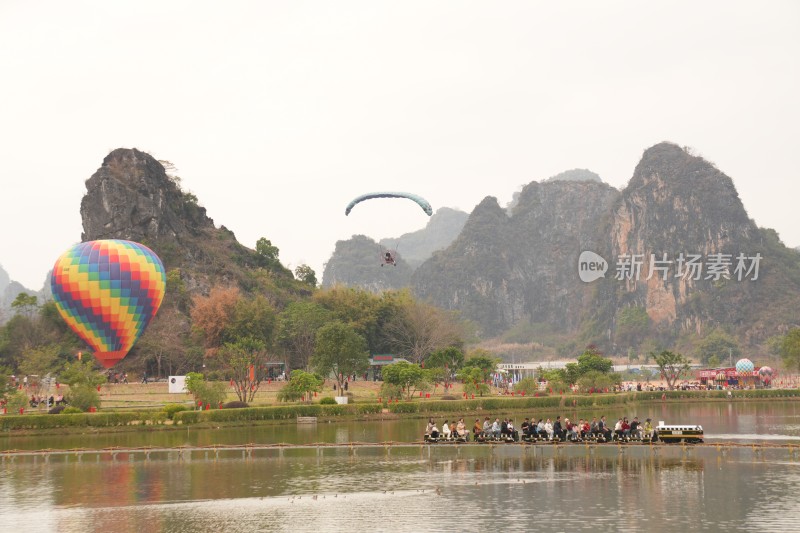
(276, 114)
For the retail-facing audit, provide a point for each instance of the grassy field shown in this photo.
(154, 395)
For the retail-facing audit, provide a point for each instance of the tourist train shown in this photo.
(541, 431)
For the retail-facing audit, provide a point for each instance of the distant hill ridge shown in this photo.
(519, 265)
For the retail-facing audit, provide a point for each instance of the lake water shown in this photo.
(513, 488)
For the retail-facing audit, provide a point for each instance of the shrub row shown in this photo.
(478, 404)
(275, 413)
(105, 419)
(719, 394)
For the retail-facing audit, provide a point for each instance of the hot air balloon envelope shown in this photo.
(107, 291)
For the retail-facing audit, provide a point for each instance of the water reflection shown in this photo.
(333, 493)
(508, 488)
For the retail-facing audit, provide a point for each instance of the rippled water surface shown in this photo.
(572, 488)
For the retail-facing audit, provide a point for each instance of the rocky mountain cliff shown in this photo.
(442, 229)
(681, 256)
(356, 261)
(668, 259)
(504, 268)
(132, 197)
(10, 289)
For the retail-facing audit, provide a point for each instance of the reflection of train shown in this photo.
(679, 432)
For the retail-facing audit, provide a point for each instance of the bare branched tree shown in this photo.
(419, 329)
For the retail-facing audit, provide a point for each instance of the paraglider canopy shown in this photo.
(422, 202)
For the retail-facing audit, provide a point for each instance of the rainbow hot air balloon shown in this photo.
(108, 291)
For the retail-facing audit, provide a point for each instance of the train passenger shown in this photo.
(477, 429)
(510, 431)
(648, 429)
(496, 428)
(526, 428)
(461, 430)
(558, 431)
(618, 429)
(636, 428)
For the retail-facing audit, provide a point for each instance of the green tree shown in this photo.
(252, 318)
(409, 377)
(297, 331)
(340, 351)
(40, 361)
(594, 380)
(450, 360)
(83, 397)
(474, 380)
(76, 373)
(720, 344)
(528, 386)
(15, 401)
(306, 274)
(301, 384)
(24, 303)
(267, 253)
(592, 359)
(361, 310)
(205, 392)
(482, 360)
(789, 349)
(671, 365)
(245, 361)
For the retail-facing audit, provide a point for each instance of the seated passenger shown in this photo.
(635, 428)
(510, 431)
(446, 430)
(548, 429)
(487, 428)
(618, 429)
(496, 428)
(541, 433)
(586, 429)
(626, 428)
(477, 429)
(434, 432)
(526, 428)
(461, 430)
(648, 429)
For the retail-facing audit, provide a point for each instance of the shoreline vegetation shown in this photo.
(149, 408)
